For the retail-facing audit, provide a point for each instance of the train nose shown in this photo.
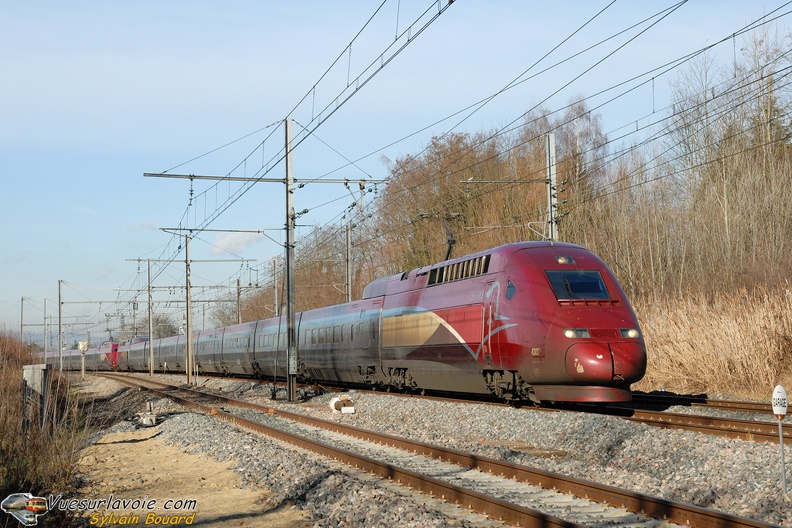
(594, 363)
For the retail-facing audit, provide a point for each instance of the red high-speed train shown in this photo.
(532, 320)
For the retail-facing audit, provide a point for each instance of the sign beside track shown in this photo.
(779, 402)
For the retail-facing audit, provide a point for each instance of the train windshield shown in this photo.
(577, 284)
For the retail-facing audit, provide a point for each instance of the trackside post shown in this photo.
(83, 347)
(779, 410)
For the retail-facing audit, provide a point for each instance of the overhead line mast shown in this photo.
(291, 215)
(291, 342)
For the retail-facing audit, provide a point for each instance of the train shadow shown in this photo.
(663, 400)
(642, 401)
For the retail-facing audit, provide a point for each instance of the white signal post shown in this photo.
(83, 347)
(779, 410)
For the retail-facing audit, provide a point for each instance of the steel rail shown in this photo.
(752, 430)
(658, 508)
(727, 427)
(703, 401)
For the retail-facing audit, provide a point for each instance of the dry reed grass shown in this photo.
(37, 446)
(738, 344)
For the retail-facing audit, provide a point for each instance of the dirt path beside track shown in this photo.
(139, 465)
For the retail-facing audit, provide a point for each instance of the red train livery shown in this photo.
(532, 320)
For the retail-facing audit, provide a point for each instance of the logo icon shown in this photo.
(24, 507)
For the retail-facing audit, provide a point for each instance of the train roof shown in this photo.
(466, 266)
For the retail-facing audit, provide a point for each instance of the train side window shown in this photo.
(511, 289)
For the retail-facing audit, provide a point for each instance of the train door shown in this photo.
(280, 356)
(257, 349)
(375, 333)
(296, 366)
(138, 350)
(490, 352)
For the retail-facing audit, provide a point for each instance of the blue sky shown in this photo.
(94, 94)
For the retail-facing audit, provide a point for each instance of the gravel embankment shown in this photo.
(738, 477)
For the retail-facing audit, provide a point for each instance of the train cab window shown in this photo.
(577, 284)
(511, 289)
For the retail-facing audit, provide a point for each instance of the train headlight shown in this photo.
(629, 332)
(573, 333)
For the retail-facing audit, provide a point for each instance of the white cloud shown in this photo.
(143, 225)
(234, 243)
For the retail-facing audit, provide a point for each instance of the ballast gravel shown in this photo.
(738, 477)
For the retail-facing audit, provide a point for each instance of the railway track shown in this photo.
(741, 429)
(753, 430)
(643, 410)
(702, 401)
(756, 430)
(762, 428)
(515, 494)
